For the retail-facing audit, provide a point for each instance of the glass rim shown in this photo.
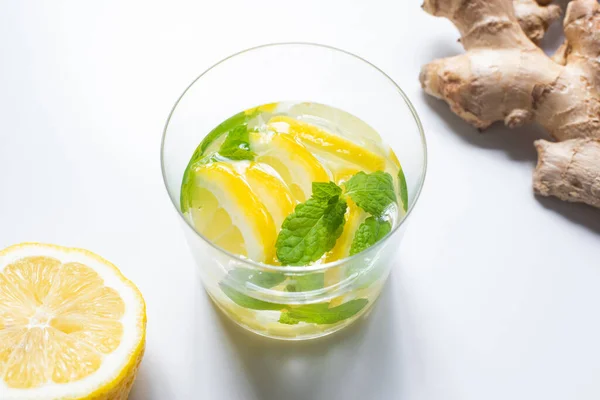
(251, 264)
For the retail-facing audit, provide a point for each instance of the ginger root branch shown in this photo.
(534, 18)
(569, 170)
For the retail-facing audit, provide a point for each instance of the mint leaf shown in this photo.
(291, 315)
(403, 190)
(312, 229)
(262, 279)
(321, 314)
(368, 233)
(286, 319)
(249, 302)
(372, 192)
(325, 190)
(306, 283)
(237, 144)
(239, 119)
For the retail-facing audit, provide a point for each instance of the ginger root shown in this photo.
(504, 76)
(535, 16)
(570, 170)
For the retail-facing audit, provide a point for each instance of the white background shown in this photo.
(495, 294)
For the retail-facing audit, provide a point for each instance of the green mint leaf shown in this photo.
(325, 191)
(262, 279)
(403, 190)
(286, 319)
(239, 119)
(310, 231)
(372, 192)
(321, 314)
(306, 283)
(237, 144)
(368, 233)
(249, 302)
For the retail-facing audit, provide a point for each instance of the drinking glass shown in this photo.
(293, 302)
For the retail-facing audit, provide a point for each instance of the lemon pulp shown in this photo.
(71, 326)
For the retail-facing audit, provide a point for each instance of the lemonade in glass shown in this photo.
(291, 207)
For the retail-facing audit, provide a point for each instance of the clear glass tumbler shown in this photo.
(293, 303)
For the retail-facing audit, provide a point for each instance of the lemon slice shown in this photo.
(226, 210)
(71, 326)
(297, 166)
(329, 143)
(354, 217)
(352, 126)
(271, 191)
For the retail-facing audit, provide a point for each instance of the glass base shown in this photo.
(276, 330)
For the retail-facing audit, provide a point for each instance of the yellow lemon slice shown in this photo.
(71, 325)
(297, 166)
(323, 141)
(271, 191)
(354, 217)
(352, 126)
(228, 213)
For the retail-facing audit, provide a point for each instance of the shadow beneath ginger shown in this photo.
(518, 145)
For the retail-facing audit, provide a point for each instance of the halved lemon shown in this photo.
(297, 166)
(71, 325)
(322, 141)
(226, 210)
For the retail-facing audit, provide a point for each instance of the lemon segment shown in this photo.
(354, 217)
(330, 143)
(71, 326)
(297, 166)
(343, 174)
(352, 126)
(227, 211)
(271, 191)
(394, 158)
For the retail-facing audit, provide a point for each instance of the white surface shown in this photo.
(495, 295)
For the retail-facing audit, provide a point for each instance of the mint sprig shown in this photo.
(246, 301)
(373, 192)
(262, 279)
(238, 120)
(237, 145)
(306, 283)
(368, 233)
(325, 190)
(403, 190)
(199, 157)
(313, 228)
(311, 313)
(321, 314)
